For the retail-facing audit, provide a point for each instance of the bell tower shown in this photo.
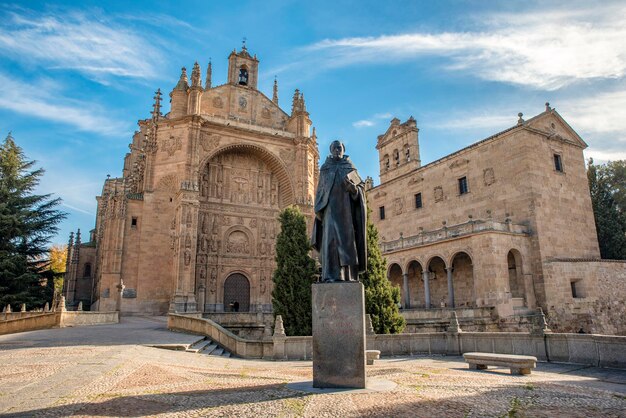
(398, 149)
(243, 69)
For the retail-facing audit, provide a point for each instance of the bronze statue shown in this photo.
(339, 231)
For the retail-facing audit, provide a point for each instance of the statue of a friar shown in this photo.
(339, 232)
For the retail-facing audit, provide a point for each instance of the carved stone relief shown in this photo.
(209, 142)
(398, 205)
(438, 194)
(171, 144)
(217, 102)
(237, 243)
(488, 176)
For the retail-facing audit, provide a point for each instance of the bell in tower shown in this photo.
(243, 69)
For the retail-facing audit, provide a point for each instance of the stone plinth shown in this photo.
(338, 335)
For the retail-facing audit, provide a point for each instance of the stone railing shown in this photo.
(45, 320)
(588, 349)
(454, 231)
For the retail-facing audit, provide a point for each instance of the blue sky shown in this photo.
(74, 80)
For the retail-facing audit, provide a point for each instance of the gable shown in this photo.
(554, 126)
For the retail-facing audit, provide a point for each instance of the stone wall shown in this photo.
(57, 319)
(601, 289)
(593, 350)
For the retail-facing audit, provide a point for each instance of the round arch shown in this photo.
(395, 276)
(515, 269)
(237, 293)
(248, 234)
(274, 162)
(433, 257)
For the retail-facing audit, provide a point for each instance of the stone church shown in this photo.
(191, 224)
(494, 230)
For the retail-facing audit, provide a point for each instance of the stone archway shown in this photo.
(237, 293)
(516, 282)
(461, 290)
(395, 277)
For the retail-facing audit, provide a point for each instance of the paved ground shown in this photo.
(106, 371)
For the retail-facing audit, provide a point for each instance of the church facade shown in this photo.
(494, 230)
(191, 224)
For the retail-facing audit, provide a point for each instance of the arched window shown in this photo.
(87, 270)
(386, 158)
(243, 76)
(396, 156)
(407, 153)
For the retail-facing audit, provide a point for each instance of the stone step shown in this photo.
(209, 348)
(218, 351)
(199, 346)
(226, 354)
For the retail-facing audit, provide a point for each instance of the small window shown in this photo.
(574, 290)
(407, 154)
(87, 271)
(558, 164)
(463, 185)
(133, 222)
(381, 212)
(396, 156)
(418, 200)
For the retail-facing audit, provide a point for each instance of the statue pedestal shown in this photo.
(338, 335)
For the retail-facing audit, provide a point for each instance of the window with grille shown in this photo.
(463, 185)
(418, 200)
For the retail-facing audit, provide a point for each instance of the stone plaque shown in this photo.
(338, 335)
(129, 293)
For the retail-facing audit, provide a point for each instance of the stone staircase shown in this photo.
(208, 347)
(203, 345)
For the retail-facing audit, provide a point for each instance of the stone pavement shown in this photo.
(107, 371)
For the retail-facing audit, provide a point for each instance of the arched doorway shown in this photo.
(237, 293)
(414, 271)
(462, 281)
(438, 283)
(516, 284)
(395, 277)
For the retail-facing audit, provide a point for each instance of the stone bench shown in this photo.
(372, 355)
(517, 364)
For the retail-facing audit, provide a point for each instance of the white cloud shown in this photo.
(372, 121)
(38, 99)
(545, 50)
(93, 46)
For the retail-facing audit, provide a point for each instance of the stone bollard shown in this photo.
(46, 308)
(23, 308)
(62, 304)
(8, 308)
(80, 306)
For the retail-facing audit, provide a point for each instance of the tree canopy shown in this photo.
(381, 297)
(27, 222)
(607, 184)
(294, 274)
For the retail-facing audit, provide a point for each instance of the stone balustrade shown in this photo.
(453, 231)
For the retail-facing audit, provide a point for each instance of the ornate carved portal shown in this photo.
(239, 203)
(237, 293)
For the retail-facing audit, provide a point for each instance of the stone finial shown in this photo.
(23, 307)
(8, 308)
(369, 327)
(295, 103)
(62, 304)
(209, 74)
(520, 120)
(279, 329)
(548, 108)
(275, 94)
(454, 324)
(196, 78)
(4, 310)
(80, 306)
(46, 308)
(183, 82)
(70, 243)
(78, 241)
(302, 103)
(156, 107)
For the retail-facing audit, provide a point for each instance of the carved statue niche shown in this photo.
(237, 243)
(213, 281)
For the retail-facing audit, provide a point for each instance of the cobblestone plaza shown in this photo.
(110, 370)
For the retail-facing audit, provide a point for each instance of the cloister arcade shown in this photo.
(437, 281)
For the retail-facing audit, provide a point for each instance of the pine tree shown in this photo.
(294, 274)
(381, 298)
(610, 220)
(27, 221)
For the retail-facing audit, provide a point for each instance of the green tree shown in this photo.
(381, 298)
(607, 184)
(27, 221)
(294, 274)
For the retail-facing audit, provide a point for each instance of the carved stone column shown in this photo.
(426, 278)
(449, 270)
(407, 296)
